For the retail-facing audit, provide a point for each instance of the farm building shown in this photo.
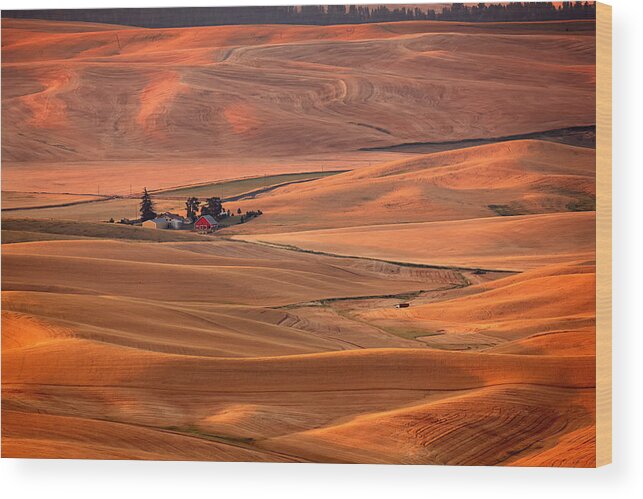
(156, 223)
(166, 221)
(171, 216)
(174, 221)
(177, 224)
(205, 224)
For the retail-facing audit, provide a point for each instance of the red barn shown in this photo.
(205, 224)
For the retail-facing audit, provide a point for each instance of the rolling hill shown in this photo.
(89, 96)
(433, 303)
(507, 178)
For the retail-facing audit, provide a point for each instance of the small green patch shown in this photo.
(410, 333)
(584, 203)
(506, 210)
(235, 188)
(407, 296)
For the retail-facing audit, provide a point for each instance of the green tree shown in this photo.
(192, 207)
(213, 207)
(147, 206)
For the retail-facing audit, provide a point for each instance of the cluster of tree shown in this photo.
(192, 208)
(212, 206)
(315, 14)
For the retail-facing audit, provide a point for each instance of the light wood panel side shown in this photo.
(603, 234)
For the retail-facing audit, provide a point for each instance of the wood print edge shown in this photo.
(603, 234)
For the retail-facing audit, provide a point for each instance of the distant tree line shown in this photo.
(315, 14)
(481, 12)
(250, 214)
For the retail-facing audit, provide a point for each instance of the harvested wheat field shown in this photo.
(510, 178)
(209, 103)
(507, 243)
(407, 273)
